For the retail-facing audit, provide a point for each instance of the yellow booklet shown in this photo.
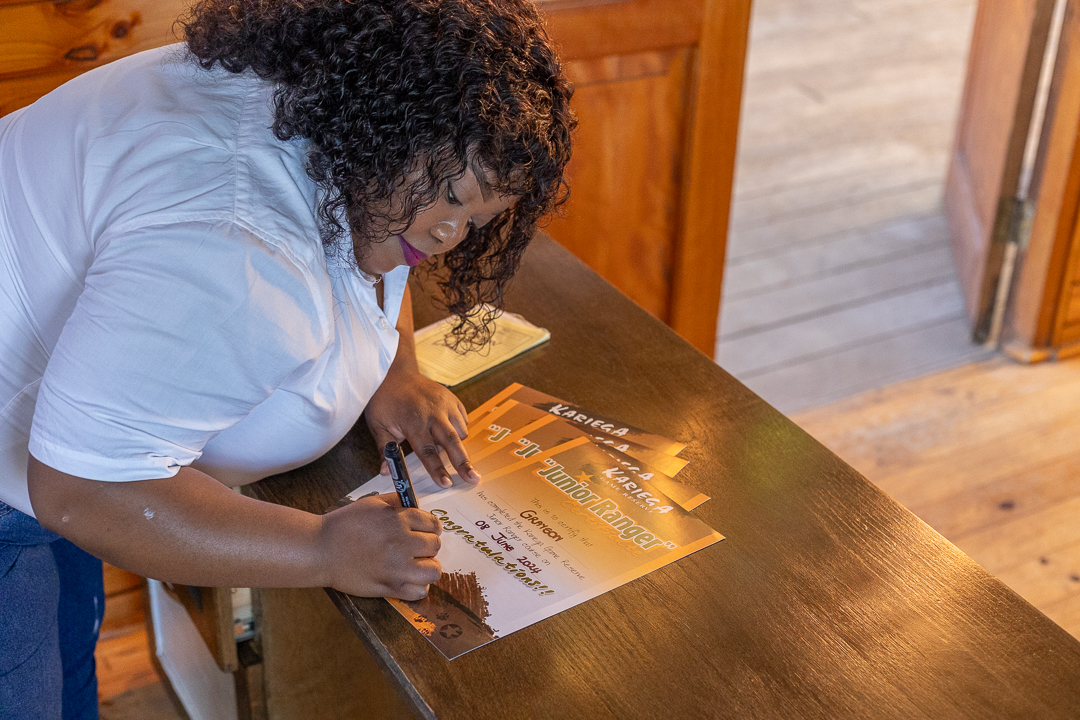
(512, 335)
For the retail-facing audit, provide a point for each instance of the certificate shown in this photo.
(556, 520)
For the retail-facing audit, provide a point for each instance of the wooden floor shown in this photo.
(839, 277)
(989, 456)
(124, 663)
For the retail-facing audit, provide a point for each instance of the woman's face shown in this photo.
(462, 203)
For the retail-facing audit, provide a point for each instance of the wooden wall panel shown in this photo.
(659, 90)
(710, 172)
(48, 37)
(601, 28)
(45, 44)
(622, 216)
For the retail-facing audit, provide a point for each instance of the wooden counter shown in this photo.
(826, 600)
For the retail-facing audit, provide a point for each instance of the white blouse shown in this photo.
(165, 298)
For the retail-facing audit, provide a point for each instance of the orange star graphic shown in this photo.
(584, 478)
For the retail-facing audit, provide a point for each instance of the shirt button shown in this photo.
(384, 323)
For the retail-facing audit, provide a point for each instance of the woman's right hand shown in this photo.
(376, 548)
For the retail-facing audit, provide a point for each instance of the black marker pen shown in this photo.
(400, 474)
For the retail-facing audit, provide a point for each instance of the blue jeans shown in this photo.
(52, 601)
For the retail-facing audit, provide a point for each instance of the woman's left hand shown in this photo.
(408, 406)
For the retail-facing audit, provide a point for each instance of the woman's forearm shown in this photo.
(191, 529)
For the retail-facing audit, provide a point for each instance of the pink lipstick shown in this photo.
(413, 257)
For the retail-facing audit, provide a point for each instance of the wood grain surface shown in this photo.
(658, 89)
(71, 37)
(627, 151)
(44, 44)
(827, 599)
(710, 167)
(988, 455)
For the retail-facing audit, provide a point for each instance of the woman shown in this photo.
(203, 256)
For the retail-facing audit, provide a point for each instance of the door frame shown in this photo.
(1047, 249)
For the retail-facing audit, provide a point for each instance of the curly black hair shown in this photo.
(397, 97)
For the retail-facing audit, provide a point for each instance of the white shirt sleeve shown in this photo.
(181, 330)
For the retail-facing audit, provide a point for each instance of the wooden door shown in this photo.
(1044, 312)
(995, 114)
(658, 90)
